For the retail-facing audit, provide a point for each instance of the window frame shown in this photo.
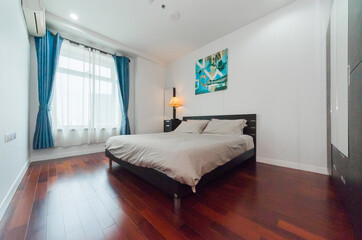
(113, 79)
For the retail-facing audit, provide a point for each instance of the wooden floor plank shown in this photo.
(55, 227)
(77, 235)
(127, 226)
(23, 210)
(16, 233)
(69, 210)
(53, 201)
(107, 200)
(38, 219)
(20, 220)
(104, 218)
(91, 227)
(79, 198)
(162, 226)
(113, 233)
(8, 215)
(38, 234)
(298, 231)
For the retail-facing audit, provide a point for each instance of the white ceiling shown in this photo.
(148, 28)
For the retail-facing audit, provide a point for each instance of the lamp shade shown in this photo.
(175, 102)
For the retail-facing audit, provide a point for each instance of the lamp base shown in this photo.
(174, 112)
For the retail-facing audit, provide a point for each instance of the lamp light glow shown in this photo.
(175, 102)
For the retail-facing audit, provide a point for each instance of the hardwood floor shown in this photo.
(77, 198)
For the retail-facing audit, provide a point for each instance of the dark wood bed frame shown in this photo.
(178, 190)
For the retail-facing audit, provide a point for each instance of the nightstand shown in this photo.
(170, 125)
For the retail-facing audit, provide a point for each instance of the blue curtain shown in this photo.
(47, 50)
(122, 65)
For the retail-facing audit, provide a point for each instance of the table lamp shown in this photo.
(174, 102)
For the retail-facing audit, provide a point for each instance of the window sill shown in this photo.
(84, 129)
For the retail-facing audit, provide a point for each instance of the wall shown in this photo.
(14, 82)
(276, 70)
(149, 95)
(145, 108)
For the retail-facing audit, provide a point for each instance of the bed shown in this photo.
(180, 164)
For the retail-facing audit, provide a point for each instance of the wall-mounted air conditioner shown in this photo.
(34, 12)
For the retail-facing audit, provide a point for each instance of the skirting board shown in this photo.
(298, 166)
(66, 154)
(6, 201)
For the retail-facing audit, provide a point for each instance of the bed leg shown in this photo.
(176, 202)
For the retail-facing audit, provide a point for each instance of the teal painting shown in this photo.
(212, 73)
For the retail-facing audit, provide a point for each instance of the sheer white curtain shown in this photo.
(85, 107)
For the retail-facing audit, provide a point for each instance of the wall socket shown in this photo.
(10, 137)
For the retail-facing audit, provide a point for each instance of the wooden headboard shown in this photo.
(251, 121)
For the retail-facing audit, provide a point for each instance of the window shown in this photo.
(85, 106)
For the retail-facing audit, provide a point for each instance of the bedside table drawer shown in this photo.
(170, 125)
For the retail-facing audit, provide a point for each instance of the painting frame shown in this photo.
(212, 73)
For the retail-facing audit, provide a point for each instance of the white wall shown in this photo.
(276, 70)
(147, 80)
(149, 95)
(14, 82)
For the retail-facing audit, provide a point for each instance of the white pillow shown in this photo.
(196, 120)
(226, 127)
(191, 126)
(205, 122)
(243, 121)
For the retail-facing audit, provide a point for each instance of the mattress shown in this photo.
(183, 157)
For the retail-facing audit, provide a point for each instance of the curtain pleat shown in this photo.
(122, 65)
(48, 49)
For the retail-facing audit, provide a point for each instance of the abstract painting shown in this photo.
(212, 73)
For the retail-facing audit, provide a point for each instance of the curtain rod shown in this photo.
(93, 48)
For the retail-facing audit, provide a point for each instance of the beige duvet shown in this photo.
(183, 157)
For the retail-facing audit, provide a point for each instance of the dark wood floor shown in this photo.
(77, 198)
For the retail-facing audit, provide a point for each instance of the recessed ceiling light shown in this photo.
(73, 16)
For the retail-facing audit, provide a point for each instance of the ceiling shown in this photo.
(147, 28)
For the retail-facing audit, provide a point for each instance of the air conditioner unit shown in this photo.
(34, 12)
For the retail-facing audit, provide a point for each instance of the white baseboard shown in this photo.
(66, 154)
(299, 166)
(6, 201)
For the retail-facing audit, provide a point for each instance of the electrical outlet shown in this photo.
(10, 137)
